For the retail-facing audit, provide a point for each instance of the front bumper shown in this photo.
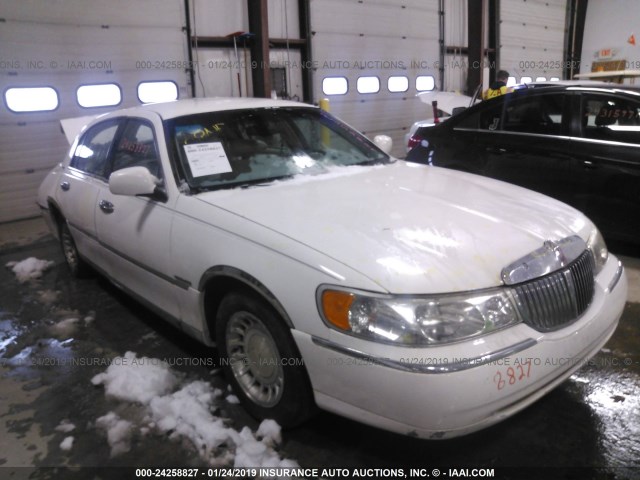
(447, 391)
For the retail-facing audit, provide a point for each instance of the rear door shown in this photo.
(532, 147)
(607, 145)
(80, 183)
(523, 138)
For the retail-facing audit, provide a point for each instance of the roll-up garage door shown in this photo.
(532, 36)
(370, 53)
(58, 47)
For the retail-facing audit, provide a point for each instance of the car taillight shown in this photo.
(414, 141)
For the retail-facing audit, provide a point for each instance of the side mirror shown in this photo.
(457, 110)
(384, 143)
(133, 181)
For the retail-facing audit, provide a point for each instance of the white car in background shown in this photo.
(420, 300)
(447, 104)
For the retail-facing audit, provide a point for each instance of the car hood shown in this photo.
(410, 228)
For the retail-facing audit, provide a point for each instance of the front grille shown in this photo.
(559, 298)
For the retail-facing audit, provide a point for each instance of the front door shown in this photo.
(135, 231)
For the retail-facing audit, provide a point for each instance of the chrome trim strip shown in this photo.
(410, 367)
(509, 132)
(595, 141)
(616, 278)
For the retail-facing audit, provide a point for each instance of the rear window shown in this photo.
(611, 118)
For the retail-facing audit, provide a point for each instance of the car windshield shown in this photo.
(255, 146)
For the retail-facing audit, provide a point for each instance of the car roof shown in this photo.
(580, 85)
(178, 108)
(564, 83)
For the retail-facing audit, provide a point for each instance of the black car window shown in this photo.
(136, 147)
(539, 114)
(486, 117)
(92, 152)
(611, 118)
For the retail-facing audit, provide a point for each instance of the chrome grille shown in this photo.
(559, 298)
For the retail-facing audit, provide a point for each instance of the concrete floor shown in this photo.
(589, 427)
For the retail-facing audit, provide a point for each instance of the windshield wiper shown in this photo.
(261, 182)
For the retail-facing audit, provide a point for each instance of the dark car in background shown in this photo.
(579, 143)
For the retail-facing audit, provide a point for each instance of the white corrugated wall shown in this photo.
(350, 39)
(532, 36)
(380, 38)
(66, 44)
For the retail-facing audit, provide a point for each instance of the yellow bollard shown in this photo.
(325, 133)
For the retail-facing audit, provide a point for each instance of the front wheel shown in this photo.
(261, 361)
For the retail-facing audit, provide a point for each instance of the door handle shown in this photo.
(65, 186)
(106, 206)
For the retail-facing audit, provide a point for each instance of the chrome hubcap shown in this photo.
(254, 359)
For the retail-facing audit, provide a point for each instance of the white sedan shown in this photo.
(420, 300)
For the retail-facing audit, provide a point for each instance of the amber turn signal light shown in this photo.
(335, 306)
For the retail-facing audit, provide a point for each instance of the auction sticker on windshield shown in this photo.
(207, 159)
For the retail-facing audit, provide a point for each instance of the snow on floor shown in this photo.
(183, 410)
(67, 443)
(65, 426)
(29, 269)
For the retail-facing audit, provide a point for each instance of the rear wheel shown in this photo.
(261, 360)
(76, 264)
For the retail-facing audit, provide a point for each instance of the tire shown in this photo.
(261, 360)
(77, 266)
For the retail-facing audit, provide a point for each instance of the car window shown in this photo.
(232, 148)
(92, 152)
(611, 118)
(486, 117)
(539, 114)
(136, 147)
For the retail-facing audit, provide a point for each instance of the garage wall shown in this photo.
(604, 44)
(66, 44)
(455, 38)
(217, 69)
(227, 72)
(532, 36)
(378, 38)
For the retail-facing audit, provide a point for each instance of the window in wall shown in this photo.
(154, 92)
(425, 83)
(103, 95)
(398, 84)
(511, 81)
(335, 85)
(526, 80)
(31, 99)
(541, 79)
(368, 85)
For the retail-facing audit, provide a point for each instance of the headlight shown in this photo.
(417, 321)
(598, 249)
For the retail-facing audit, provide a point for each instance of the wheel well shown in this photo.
(228, 280)
(56, 214)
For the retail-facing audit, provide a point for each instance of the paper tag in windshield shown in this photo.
(207, 159)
